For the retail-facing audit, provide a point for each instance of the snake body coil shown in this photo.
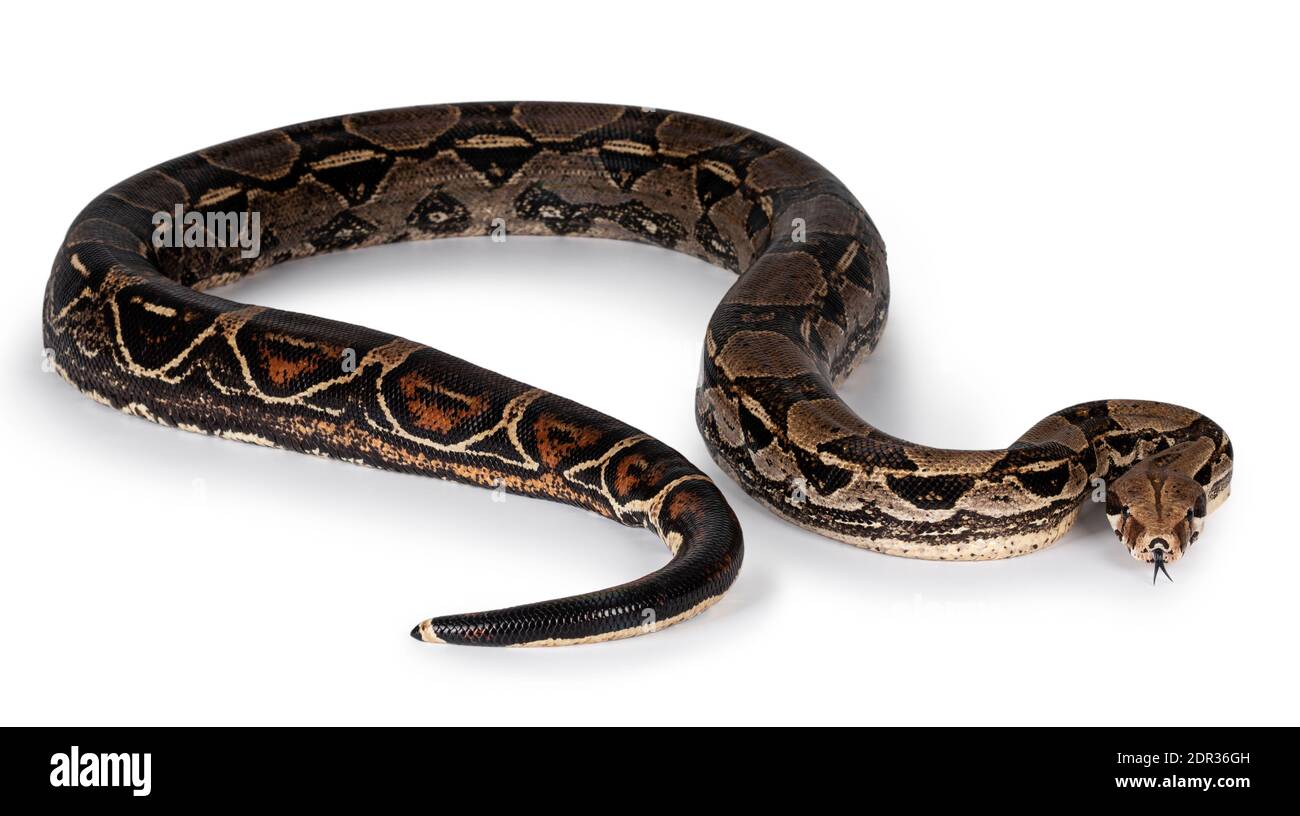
(127, 322)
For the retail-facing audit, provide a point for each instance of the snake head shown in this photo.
(1157, 513)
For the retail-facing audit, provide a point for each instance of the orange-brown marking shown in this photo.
(636, 470)
(283, 370)
(682, 502)
(423, 397)
(556, 439)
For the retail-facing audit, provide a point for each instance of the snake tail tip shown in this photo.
(423, 632)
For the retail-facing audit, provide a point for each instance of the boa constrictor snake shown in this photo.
(127, 320)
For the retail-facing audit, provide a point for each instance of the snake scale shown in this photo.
(127, 320)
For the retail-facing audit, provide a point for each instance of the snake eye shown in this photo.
(1190, 515)
(1123, 511)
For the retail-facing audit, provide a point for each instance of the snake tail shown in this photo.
(128, 320)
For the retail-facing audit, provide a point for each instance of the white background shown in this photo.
(1079, 204)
